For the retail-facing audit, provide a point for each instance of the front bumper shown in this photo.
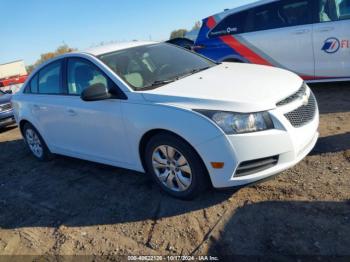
(7, 118)
(289, 144)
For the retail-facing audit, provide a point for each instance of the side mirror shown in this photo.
(9, 92)
(95, 92)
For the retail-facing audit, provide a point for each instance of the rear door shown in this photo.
(91, 130)
(277, 34)
(45, 102)
(281, 33)
(332, 39)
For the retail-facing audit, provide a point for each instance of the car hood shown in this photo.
(230, 87)
(5, 98)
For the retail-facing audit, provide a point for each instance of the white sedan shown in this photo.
(163, 110)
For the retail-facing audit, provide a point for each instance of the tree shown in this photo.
(62, 49)
(30, 68)
(197, 25)
(180, 33)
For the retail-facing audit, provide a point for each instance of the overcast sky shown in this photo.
(31, 27)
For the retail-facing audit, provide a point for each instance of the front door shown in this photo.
(331, 38)
(93, 130)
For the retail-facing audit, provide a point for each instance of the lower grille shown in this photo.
(254, 166)
(304, 114)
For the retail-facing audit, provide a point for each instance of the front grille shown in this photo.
(304, 114)
(254, 166)
(5, 107)
(295, 96)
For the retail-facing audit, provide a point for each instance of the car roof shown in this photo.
(243, 7)
(104, 49)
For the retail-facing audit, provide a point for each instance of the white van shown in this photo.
(308, 37)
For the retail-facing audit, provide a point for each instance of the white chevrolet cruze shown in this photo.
(160, 109)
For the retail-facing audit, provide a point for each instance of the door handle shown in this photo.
(38, 108)
(301, 31)
(71, 112)
(325, 29)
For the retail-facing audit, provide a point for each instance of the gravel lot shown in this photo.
(68, 206)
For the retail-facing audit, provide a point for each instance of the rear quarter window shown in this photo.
(33, 84)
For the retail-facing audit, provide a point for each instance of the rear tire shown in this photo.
(35, 143)
(175, 166)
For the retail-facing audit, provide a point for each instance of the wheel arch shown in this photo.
(25, 121)
(234, 58)
(22, 124)
(151, 133)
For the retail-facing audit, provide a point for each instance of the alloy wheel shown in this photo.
(34, 143)
(172, 168)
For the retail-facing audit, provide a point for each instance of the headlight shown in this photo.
(239, 123)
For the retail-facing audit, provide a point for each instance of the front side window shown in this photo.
(82, 74)
(50, 79)
(150, 66)
(333, 10)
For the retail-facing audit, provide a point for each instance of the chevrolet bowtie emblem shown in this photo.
(305, 99)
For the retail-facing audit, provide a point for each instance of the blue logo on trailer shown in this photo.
(331, 45)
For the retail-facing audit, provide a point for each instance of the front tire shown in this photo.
(35, 143)
(175, 166)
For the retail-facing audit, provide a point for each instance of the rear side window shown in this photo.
(270, 16)
(295, 13)
(50, 79)
(264, 18)
(333, 10)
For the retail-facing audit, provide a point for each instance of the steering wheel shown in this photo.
(161, 70)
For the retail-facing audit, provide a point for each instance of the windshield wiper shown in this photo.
(164, 82)
(159, 83)
(197, 70)
(193, 71)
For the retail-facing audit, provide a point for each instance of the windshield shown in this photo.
(151, 66)
(2, 93)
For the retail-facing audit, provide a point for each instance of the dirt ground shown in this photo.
(68, 206)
